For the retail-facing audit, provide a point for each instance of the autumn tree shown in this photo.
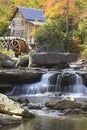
(71, 12)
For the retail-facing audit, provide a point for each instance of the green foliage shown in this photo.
(83, 51)
(5, 52)
(4, 30)
(51, 34)
(82, 27)
(35, 3)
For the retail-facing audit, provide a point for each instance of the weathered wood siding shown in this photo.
(28, 29)
(18, 26)
(22, 28)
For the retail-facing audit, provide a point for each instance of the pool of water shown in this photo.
(45, 122)
(50, 119)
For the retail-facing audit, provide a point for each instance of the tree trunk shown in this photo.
(67, 19)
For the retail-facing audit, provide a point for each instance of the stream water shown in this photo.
(51, 84)
(51, 123)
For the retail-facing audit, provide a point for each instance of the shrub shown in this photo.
(51, 34)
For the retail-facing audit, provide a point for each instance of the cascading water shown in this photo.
(34, 88)
(52, 82)
(42, 86)
(58, 84)
(74, 83)
(78, 87)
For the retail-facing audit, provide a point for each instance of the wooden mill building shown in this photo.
(25, 21)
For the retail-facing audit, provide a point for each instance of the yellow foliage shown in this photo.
(5, 52)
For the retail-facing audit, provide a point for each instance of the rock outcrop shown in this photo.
(46, 59)
(19, 76)
(10, 107)
(63, 104)
(52, 58)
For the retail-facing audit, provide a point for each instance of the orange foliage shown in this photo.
(74, 47)
(55, 8)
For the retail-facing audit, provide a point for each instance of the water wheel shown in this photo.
(18, 46)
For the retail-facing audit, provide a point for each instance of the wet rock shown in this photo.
(8, 106)
(67, 111)
(50, 104)
(63, 104)
(23, 101)
(6, 119)
(27, 114)
(5, 87)
(77, 111)
(84, 107)
(84, 77)
(73, 111)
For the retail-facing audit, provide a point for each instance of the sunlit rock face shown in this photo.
(10, 107)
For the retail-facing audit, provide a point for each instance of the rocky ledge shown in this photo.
(11, 112)
(19, 76)
(51, 59)
(47, 59)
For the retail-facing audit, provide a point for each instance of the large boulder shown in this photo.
(52, 58)
(63, 104)
(8, 106)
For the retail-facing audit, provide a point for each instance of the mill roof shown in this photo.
(32, 14)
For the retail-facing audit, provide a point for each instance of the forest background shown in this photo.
(65, 28)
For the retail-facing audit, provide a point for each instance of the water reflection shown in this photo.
(51, 123)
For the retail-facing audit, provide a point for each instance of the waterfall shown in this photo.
(39, 87)
(78, 87)
(52, 82)
(43, 85)
(73, 84)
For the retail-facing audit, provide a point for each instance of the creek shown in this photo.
(43, 122)
(53, 85)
